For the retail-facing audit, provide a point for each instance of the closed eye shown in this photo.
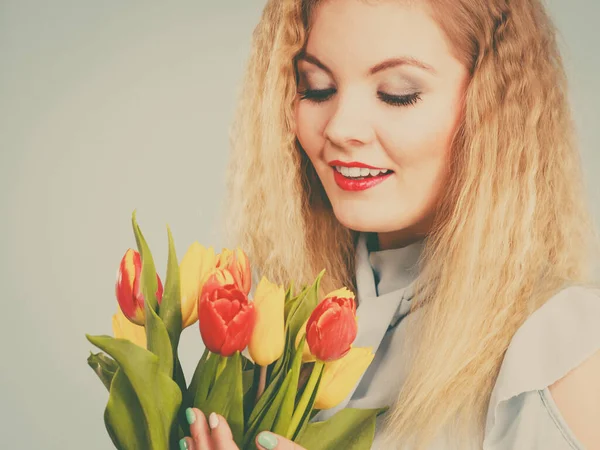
(322, 95)
(400, 100)
(317, 95)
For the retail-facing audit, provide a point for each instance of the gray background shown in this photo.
(107, 106)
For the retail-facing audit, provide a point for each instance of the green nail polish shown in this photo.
(267, 440)
(190, 416)
(183, 444)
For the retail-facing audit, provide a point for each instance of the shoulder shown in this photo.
(556, 354)
(577, 397)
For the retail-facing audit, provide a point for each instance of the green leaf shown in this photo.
(158, 342)
(289, 293)
(304, 308)
(104, 366)
(281, 366)
(226, 396)
(251, 389)
(170, 306)
(290, 307)
(267, 419)
(284, 417)
(292, 303)
(151, 282)
(349, 428)
(203, 379)
(143, 401)
(157, 336)
(219, 393)
(265, 400)
(193, 387)
(170, 314)
(300, 310)
(124, 415)
(235, 416)
(276, 405)
(247, 379)
(306, 403)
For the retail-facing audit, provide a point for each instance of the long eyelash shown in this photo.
(322, 95)
(403, 100)
(316, 95)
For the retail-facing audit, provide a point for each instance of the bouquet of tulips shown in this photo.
(270, 362)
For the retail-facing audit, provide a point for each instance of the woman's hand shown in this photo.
(215, 434)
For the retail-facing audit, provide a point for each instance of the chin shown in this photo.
(366, 222)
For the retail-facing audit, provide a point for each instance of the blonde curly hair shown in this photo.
(511, 229)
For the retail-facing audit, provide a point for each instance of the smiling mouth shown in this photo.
(360, 173)
(360, 183)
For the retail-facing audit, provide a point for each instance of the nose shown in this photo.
(349, 124)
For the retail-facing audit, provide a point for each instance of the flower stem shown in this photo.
(262, 382)
(221, 365)
(305, 399)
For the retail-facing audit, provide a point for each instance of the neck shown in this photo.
(401, 238)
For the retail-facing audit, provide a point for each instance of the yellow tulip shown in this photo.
(123, 328)
(341, 293)
(341, 375)
(237, 263)
(268, 338)
(196, 265)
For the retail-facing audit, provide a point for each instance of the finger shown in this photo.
(186, 443)
(220, 432)
(199, 429)
(270, 441)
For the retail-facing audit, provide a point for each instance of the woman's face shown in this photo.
(378, 85)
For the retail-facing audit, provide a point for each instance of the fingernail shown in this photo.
(213, 420)
(183, 444)
(267, 440)
(190, 415)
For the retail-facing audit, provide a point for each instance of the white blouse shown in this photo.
(556, 338)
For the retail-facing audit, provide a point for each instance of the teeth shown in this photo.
(354, 171)
(359, 172)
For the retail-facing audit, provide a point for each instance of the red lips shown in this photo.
(337, 162)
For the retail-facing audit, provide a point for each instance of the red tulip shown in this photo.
(128, 288)
(332, 326)
(226, 317)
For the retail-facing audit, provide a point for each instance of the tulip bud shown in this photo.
(123, 328)
(236, 262)
(268, 338)
(196, 265)
(340, 376)
(129, 290)
(307, 356)
(226, 316)
(332, 326)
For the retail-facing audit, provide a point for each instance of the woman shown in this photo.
(465, 233)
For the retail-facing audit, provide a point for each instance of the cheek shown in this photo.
(420, 136)
(310, 123)
(418, 142)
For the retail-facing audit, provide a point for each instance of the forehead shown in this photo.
(349, 34)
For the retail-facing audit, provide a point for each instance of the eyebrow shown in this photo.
(387, 64)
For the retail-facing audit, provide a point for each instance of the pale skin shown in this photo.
(214, 434)
(359, 59)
